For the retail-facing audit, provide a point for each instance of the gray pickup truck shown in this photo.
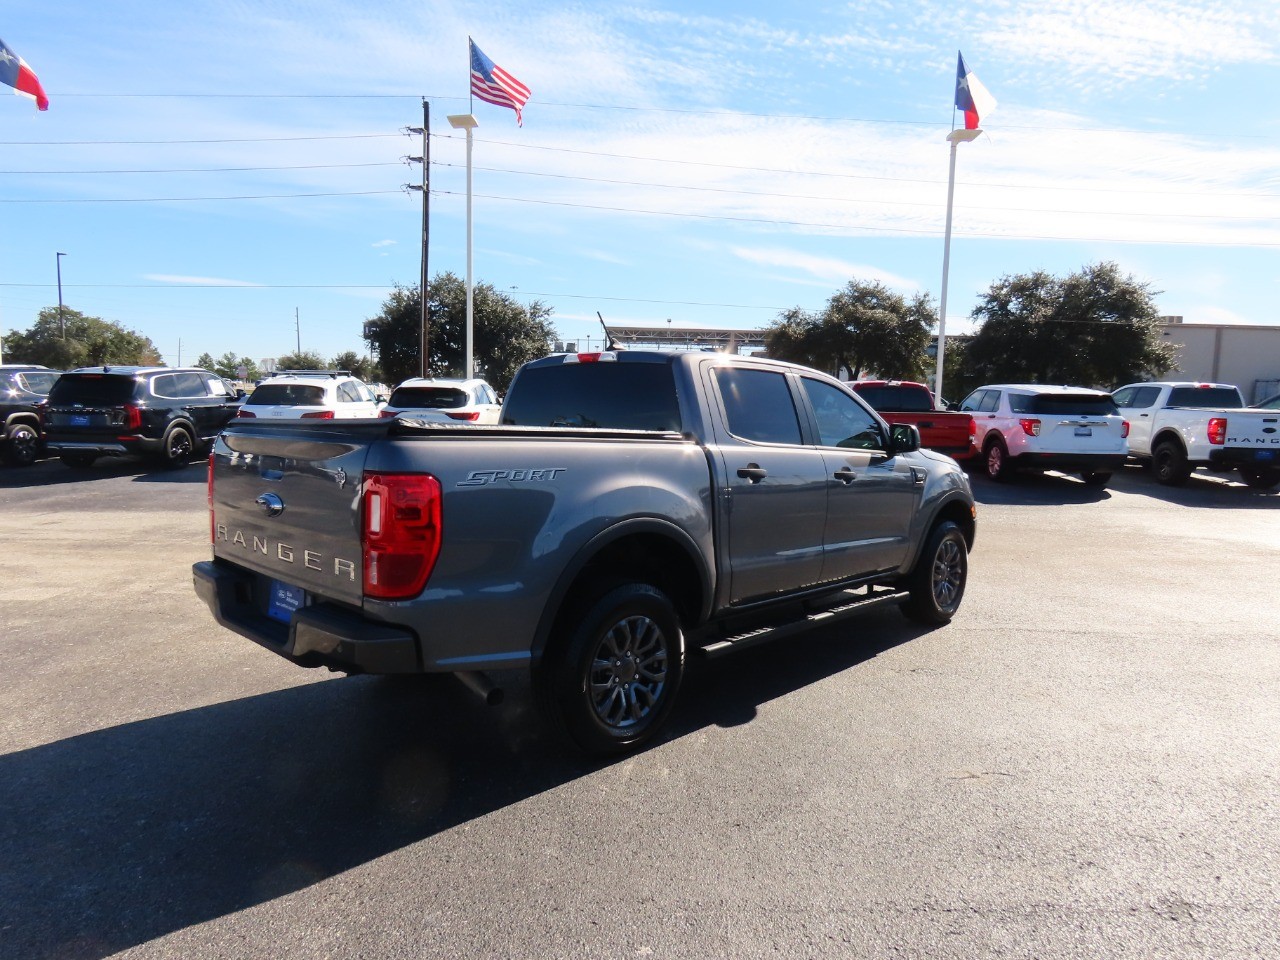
(632, 508)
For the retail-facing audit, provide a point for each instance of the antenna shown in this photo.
(609, 341)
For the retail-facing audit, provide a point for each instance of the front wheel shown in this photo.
(612, 684)
(1170, 464)
(1260, 478)
(22, 446)
(936, 584)
(1096, 478)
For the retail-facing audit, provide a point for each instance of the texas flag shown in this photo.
(972, 97)
(15, 72)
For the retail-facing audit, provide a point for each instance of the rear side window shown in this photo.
(1206, 397)
(36, 382)
(758, 405)
(1072, 404)
(897, 399)
(91, 390)
(428, 398)
(179, 386)
(617, 395)
(287, 395)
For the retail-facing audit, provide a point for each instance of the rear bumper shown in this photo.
(118, 447)
(1070, 462)
(322, 635)
(1229, 457)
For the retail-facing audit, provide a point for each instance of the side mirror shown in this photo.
(383, 397)
(903, 438)
(241, 393)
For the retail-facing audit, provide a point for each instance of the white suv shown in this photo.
(1042, 427)
(444, 401)
(311, 395)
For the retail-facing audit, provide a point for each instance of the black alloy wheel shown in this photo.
(22, 446)
(937, 583)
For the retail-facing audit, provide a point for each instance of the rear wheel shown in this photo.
(996, 460)
(937, 582)
(178, 448)
(612, 684)
(1170, 463)
(1260, 478)
(22, 445)
(78, 461)
(1096, 478)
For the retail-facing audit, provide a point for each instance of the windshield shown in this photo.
(91, 390)
(286, 395)
(620, 396)
(897, 399)
(1222, 398)
(1072, 404)
(431, 398)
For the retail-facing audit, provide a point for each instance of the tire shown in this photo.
(22, 445)
(1170, 464)
(78, 461)
(179, 446)
(613, 681)
(1096, 478)
(937, 582)
(1260, 478)
(995, 461)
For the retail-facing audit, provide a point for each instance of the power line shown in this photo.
(263, 196)
(308, 166)
(147, 143)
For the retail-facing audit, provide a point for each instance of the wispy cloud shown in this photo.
(830, 270)
(199, 281)
(384, 243)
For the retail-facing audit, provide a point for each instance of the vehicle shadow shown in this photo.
(52, 472)
(1201, 490)
(1036, 489)
(114, 838)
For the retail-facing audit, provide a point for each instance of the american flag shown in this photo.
(494, 85)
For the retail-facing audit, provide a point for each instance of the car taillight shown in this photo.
(387, 414)
(318, 415)
(132, 417)
(601, 357)
(1124, 430)
(400, 533)
(973, 432)
(1030, 427)
(470, 416)
(246, 414)
(1217, 431)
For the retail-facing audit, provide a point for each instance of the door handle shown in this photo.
(753, 472)
(845, 476)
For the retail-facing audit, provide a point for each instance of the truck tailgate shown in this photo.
(286, 503)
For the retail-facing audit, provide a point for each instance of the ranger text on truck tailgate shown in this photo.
(631, 509)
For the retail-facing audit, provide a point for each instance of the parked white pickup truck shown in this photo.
(1178, 426)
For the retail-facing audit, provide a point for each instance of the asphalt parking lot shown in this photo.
(1083, 764)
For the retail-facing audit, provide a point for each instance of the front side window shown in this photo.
(758, 405)
(973, 402)
(842, 421)
(348, 393)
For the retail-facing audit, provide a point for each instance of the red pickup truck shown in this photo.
(901, 401)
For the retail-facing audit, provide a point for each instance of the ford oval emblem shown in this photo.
(271, 504)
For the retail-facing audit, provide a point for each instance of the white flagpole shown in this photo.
(955, 138)
(467, 122)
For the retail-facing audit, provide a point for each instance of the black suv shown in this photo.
(167, 413)
(23, 387)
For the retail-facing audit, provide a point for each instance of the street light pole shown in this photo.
(465, 121)
(62, 323)
(955, 137)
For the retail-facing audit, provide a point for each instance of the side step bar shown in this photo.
(847, 603)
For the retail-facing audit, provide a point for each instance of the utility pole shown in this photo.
(62, 323)
(297, 326)
(425, 160)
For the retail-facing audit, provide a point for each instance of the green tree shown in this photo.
(1096, 327)
(506, 335)
(361, 367)
(302, 360)
(88, 342)
(865, 327)
(229, 364)
(206, 361)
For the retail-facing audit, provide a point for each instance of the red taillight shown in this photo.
(471, 416)
(1217, 431)
(209, 486)
(246, 414)
(1124, 431)
(401, 533)
(318, 415)
(387, 414)
(132, 417)
(973, 432)
(1030, 427)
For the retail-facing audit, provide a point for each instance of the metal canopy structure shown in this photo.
(688, 338)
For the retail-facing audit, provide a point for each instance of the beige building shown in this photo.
(1246, 355)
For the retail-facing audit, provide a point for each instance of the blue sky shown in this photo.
(706, 163)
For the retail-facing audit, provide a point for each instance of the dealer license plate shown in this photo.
(285, 598)
(1084, 431)
(1264, 454)
(79, 419)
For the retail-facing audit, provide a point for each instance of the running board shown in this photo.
(855, 602)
